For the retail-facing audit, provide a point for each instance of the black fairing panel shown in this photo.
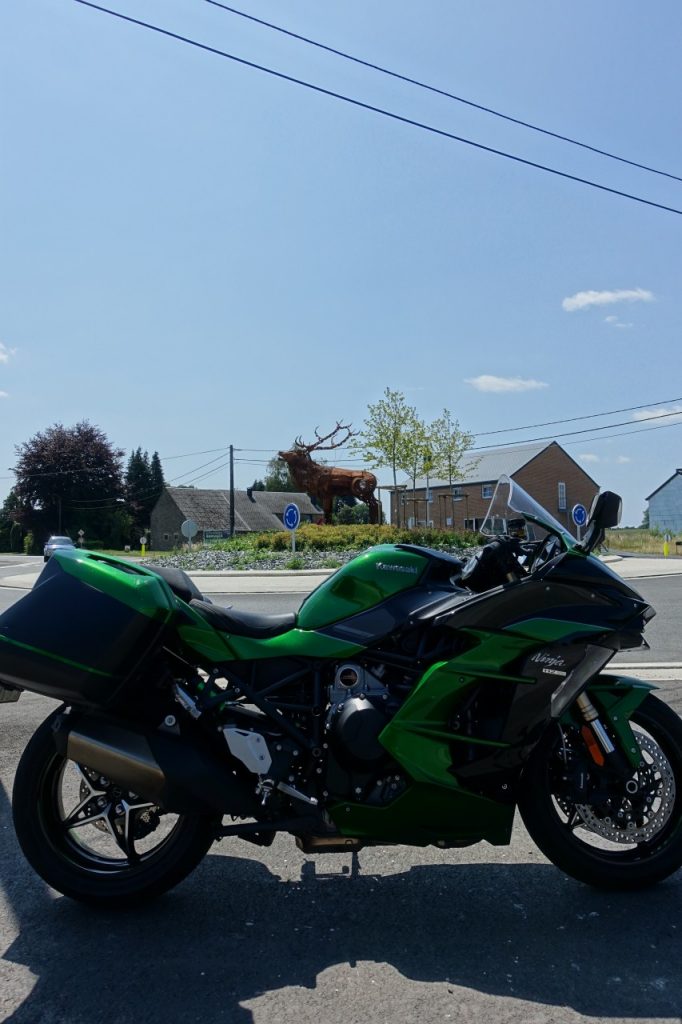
(571, 589)
(405, 609)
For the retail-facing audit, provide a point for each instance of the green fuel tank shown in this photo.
(372, 577)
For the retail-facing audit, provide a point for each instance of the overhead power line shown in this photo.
(374, 109)
(577, 419)
(439, 92)
(586, 430)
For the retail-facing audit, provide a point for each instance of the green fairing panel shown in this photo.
(297, 643)
(550, 630)
(370, 578)
(616, 698)
(464, 817)
(131, 584)
(419, 735)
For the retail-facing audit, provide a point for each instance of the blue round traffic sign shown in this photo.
(292, 516)
(579, 515)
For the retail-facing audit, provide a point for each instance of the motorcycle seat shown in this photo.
(179, 582)
(256, 627)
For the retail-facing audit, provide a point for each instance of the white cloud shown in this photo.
(589, 457)
(486, 382)
(671, 415)
(623, 459)
(611, 319)
(583, 300)
(3, 394)
(6, 353)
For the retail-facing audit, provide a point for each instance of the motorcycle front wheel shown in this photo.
(94, 841)
(624, 834)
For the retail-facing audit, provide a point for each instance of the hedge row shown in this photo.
(348, 538)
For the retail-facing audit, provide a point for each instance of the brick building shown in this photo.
(544, 470)
(254, 512)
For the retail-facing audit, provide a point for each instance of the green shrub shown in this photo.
(28, 543)
(347, 538)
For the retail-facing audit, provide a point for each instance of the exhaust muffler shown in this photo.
(166, 769)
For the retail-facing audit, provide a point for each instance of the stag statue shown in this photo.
(328, 482)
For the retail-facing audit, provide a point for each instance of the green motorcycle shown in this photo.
(412, 699)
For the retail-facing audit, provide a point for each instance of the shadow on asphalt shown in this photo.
(233, 931)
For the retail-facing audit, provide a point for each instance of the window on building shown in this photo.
(457, 492)
(562, 495)
(166, 536)
(487, 490)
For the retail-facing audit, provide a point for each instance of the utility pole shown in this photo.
(231, 490)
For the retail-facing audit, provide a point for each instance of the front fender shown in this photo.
(617, 697)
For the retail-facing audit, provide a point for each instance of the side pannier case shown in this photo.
(86, 626)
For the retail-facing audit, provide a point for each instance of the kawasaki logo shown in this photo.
(392, 567)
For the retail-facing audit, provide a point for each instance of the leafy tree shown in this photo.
(350, 513)
(68, 479)
(389, 435)
(8, 520)
(415, 456)
(645, 520)
(257, 485)
(449, 444)
(278, 477)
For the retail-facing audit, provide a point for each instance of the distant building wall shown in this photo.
(665, 506)
(166, 520)
(542, 476)
(552, 478)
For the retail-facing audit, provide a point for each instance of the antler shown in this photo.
(319, 446)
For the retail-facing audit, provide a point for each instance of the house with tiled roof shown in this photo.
(544, 469)
(254, 512)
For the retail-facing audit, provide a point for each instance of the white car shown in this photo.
(54, 543)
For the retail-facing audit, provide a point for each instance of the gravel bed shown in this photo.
(208, 559)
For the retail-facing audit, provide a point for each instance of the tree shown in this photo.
(389, 434)
(416, 458)
(10, 531)
(644, 525)
(277, 478)
(144, 483)
(350, 513)
(69, 479)
(449, 444)
(158, 481)
(137, 488)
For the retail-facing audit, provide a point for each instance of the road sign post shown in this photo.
(579, 517)
(189, 529)
(292, 520)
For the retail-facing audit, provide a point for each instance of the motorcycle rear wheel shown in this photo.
(94, 842)
(591, 846)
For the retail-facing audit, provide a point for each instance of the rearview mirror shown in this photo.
(605, 512)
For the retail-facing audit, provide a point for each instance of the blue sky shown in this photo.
(196, 254)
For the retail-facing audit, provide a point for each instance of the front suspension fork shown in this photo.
(597, 740)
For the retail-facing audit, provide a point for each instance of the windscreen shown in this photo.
(510, 502)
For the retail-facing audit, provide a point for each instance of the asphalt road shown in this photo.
(396, 934)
